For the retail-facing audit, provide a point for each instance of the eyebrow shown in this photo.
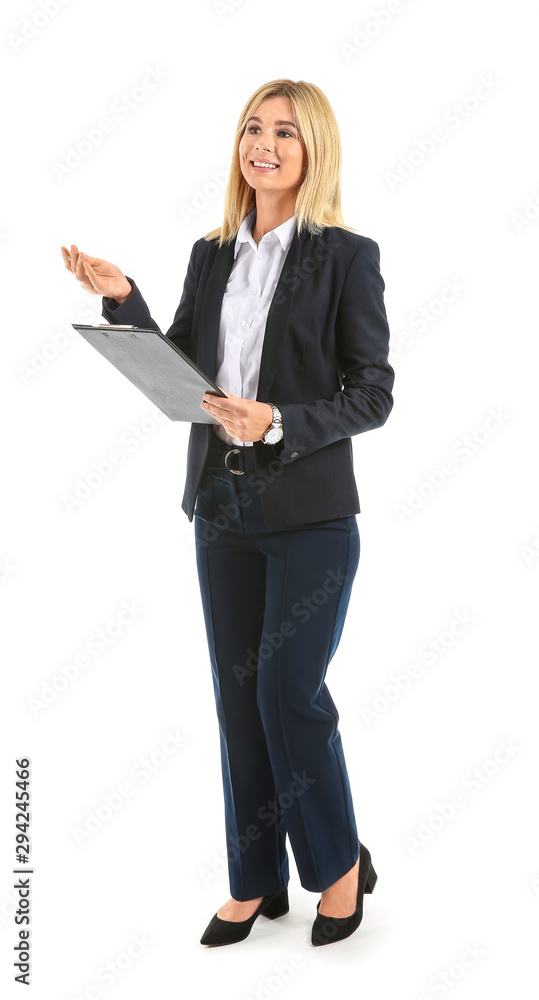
(254, 118)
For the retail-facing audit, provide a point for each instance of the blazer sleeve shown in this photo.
(134, 311)
(362, 337)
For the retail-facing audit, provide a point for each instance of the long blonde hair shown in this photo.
(318, 201)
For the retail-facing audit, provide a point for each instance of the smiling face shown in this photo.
(271, 137)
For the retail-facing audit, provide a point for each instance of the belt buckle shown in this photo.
(237, 472)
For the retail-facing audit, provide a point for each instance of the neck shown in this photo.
(271, 212)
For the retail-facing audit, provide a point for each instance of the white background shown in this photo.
(140, 198)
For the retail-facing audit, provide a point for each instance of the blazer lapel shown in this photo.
(211, 308)
(278, 315)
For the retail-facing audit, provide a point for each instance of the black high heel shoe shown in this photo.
(325, 930)
(229, 931)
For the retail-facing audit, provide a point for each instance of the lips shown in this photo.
(252, 162)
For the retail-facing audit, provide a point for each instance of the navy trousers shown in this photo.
(274, 603)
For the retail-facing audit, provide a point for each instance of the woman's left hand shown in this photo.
(243, 419)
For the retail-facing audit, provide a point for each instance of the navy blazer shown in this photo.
(324, 363)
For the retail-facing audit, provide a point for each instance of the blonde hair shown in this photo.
(318, 200)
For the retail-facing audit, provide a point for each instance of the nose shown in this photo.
(262, 143)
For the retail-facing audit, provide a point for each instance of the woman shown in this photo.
(283, 307)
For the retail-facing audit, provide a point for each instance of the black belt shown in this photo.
(237, 459)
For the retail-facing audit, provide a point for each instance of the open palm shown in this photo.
(97, 276)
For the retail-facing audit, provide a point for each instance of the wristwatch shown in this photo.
(274, 432)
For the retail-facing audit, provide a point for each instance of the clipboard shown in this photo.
(156, 366)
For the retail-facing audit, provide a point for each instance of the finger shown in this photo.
(79, 270)
(214, 408)
(65, 256)
(220, 405)
(91, 277)
(74, 254)
(91, 260)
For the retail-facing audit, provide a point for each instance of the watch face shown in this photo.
(273, 435)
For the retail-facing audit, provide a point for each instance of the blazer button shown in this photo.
(294, 454)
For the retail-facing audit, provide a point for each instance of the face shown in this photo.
(270, 136)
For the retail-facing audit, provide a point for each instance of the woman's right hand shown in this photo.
(95, 275)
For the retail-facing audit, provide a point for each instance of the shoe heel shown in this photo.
(371, 880)
(278, 906)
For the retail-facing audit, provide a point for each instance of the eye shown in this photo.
(250, 127)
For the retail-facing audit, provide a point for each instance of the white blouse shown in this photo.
(248, 295)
